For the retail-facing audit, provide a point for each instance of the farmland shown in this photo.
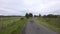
(52, 23)
(11, 24)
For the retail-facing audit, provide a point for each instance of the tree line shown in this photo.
(28, 15)
(44, 16)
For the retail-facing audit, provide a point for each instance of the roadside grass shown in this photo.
(7, 20)
(11, 25)
(52, 23)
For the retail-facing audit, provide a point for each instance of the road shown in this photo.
(32, 27)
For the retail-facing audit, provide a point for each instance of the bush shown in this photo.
(22, 18)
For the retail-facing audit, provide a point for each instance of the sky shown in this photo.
(21, 7)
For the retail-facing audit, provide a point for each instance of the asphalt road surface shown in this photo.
(31, 27)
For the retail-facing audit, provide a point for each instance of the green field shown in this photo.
(11, 25)
(52, 23)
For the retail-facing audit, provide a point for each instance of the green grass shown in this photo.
(52, 23)
(7, 20)
(12, 25)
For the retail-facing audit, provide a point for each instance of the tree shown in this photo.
(51, 16)
(30, 15)
(27, 15)
(39, 15)
(44, 16)
(35, 16)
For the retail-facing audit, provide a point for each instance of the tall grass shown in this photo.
(52, 23)
(11, 25)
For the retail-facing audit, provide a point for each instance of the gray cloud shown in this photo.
(20, 7)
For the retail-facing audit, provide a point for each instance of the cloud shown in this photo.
(21, 7)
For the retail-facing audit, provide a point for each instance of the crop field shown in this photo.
(11, 24)
(52, 23)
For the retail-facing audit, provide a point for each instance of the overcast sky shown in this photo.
(21, 7)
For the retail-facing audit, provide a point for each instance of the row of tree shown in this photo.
(51, 16)
(45, 16)
(28, 15)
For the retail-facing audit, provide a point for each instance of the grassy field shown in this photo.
(52, 23)
(11, 25)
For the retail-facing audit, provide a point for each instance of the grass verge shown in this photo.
(52, 23)
(13, 28)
